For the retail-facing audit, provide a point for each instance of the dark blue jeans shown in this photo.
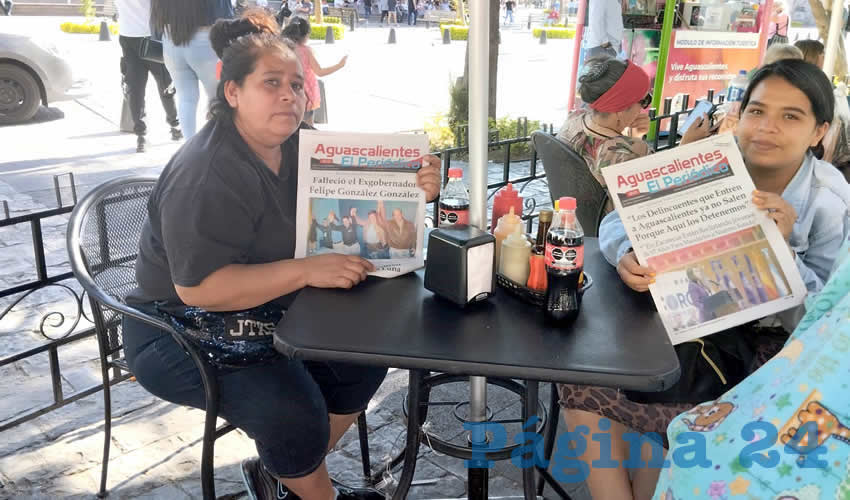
(283, 406)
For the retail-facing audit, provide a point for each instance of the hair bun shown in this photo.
(226, 31)
(595, 70)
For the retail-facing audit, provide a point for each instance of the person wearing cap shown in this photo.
(609, 130)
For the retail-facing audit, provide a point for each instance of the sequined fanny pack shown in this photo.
(227, 339)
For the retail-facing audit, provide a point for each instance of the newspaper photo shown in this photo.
(357, 195)
(720, 262)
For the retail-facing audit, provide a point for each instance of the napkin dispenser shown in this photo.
(460, 264)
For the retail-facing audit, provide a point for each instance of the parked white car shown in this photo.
(32, 73)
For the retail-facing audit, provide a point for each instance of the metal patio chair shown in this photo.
(103, 241)
(568, 175)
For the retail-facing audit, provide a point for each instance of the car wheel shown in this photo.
(19, 95)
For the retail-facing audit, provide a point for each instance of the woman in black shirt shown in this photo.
(221, 237)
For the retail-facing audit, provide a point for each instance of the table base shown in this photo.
(419, 388)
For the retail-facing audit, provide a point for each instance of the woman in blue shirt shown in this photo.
(785, 114)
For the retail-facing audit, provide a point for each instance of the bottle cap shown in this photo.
(508, 192)
(455, 172)
(567, 203)
(742, 72)
(511, 216)
(509, 219)
(545, 216)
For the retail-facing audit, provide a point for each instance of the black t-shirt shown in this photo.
(509, 5)
(216, 203)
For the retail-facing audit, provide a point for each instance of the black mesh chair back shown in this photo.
(103, 242)
(106, 241)
(568, 175)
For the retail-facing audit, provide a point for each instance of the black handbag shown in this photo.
(151, 50)
(283, 14)
(710, 366)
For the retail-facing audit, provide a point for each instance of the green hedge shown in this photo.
(450, 23)
(86, 28)
(317, 31)
(458, 32)
(327, 20)
(442, 136)
(554, 32)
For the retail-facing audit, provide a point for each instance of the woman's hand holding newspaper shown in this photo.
(777, 209)
(428, 177)
(333, 270)
(636, 276)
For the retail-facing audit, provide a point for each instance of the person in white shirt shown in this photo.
(304, 9)
(605, 27)
(132, 30)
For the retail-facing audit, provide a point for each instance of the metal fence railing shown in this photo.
(506, 154)
(668, 121)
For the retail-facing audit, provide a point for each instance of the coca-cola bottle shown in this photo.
(454, 200)
(564, 263)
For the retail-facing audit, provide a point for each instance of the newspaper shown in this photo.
(357, 195)
(720, 262)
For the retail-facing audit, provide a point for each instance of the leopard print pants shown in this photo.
(643, 418)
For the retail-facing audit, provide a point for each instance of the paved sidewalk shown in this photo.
(156, 449)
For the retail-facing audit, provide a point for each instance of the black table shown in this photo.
(618, 339)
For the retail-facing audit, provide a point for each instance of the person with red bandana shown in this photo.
(609, 130)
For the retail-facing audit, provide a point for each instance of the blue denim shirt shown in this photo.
(819, 194)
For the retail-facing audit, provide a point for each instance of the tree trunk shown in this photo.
(461, 14)
(822, 15)
(318, 12)
(494, 58)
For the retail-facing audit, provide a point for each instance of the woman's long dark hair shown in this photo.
(181, 18)
(809, 79)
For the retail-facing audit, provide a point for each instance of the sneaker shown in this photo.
(140, 144)
(261, 485)
(349, 493)
(176, 134)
